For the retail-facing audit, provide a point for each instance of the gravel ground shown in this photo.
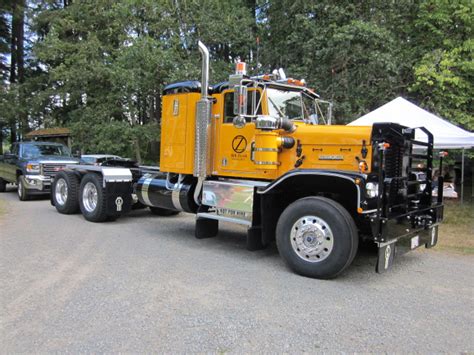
(144, 283)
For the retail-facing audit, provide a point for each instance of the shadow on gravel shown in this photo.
(12, 193)
(231, 240)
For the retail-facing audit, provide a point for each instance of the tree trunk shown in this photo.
(17, 52)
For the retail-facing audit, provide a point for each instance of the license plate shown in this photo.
(415, 242)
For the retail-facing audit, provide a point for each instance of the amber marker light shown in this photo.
(241, 68)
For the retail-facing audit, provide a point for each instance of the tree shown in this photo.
(444, 74)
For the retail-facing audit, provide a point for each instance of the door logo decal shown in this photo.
(239, 144)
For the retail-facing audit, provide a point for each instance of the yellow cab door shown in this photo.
(233, 146)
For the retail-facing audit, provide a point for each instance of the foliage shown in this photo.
(444, 76)
(99, 66)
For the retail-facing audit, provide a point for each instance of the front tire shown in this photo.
(3, 185)
(317, 237)
(92, 198)
(64, 192)
(21, 189)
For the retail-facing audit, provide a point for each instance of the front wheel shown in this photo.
(3, 185)
(21, 189)
(317, 237)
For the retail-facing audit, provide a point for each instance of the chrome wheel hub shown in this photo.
(61, 191)
(89, 197)
(311, 239)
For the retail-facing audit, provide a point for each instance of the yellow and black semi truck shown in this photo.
(258, 151)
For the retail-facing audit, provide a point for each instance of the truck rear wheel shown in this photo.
(64, 192)
(3, 185)
(317, 237)
(92, 198)
(158, 211)
(21, 189)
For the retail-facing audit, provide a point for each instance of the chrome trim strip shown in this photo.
(224, 219)
(267, 162)
(266, 150)
(145, 196)
(370, 211)
(175, 199)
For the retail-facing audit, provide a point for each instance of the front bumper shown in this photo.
(38, 183)
(399, 234)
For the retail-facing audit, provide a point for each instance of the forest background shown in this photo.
(98, 66)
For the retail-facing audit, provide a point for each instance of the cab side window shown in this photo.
(229, 106)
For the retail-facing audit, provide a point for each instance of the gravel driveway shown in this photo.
(144, 283)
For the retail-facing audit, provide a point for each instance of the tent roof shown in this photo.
(401, 111)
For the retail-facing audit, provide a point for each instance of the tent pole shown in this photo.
(462, 176)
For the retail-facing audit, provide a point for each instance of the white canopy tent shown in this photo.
(401, 111)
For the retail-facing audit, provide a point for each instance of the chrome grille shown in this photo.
(50, 169)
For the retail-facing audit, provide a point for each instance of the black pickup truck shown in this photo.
(32, 166)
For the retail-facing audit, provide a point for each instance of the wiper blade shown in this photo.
(276, 107)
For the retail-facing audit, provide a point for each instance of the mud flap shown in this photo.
(433, 237)
(385, 257)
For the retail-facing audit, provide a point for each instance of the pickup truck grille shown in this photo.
(51, 169)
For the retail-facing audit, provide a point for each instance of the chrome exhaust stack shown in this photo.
(203, 118)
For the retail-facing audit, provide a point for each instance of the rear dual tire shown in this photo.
(93, 199)
(64, 192)
(317, 237)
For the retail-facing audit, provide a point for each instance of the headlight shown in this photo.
(33, 167)
(371, 189)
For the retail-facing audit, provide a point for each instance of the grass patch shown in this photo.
(456, 233)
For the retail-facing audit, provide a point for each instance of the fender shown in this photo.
(299, 183)
(348, 177)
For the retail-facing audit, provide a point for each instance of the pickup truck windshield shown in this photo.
(35, 151)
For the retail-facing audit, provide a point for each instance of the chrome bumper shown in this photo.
(37, 182)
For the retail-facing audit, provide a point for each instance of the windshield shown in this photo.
(34, 151)
(294, 105)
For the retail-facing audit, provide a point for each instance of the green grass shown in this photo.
(456, 233)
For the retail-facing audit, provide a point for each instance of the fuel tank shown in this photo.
(173, 193)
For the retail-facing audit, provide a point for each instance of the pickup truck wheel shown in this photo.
(317, 237)
(64, 192)
(158, 211)
(21, 189)
(92, 198)
(3, 185)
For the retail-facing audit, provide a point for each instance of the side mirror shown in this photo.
(240, 105)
